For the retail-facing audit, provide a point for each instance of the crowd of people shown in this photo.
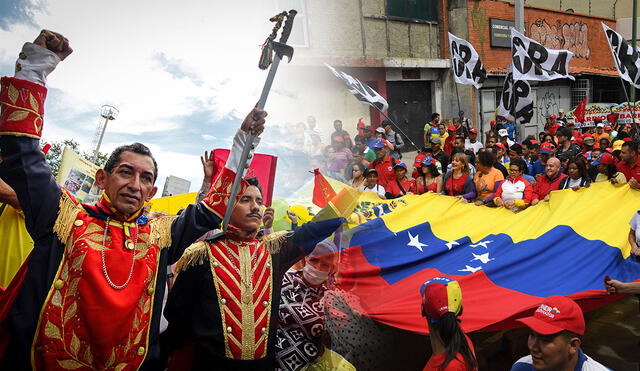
(501, 172)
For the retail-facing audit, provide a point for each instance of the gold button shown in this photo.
(78, 223)
(265, 303)
(229, 329)
(58, 285)
(150, 291)
(223, 301)
(141, 351)
(129, 244)
(263, 330)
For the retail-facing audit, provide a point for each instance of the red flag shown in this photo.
(262, 167)
(579, 111)
(322, 190)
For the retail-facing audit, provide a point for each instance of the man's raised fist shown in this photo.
(54, 42)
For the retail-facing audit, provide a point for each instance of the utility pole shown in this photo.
(108, 113)
(520, 16)
(634, 30)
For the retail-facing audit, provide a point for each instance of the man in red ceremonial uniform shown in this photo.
(223, 307)
(90, 294)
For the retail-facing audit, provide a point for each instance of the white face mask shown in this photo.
(313, 275)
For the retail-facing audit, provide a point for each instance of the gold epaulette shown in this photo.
(274, 241)
(67, 213)
(196, 254)
(160, 230)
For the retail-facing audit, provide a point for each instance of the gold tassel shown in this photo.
(160, 230)
(274, 241)
(195, 254)
(67, 213)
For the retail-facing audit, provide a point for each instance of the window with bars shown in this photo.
(580, 89)
(300, 34)
(424, 10)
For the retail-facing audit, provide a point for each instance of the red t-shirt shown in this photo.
(458, 185)
(385, 171)
(456, 364)
(630, 171)
(408, 185)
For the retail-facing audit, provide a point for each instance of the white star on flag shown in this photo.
(451, 244)
(484, 258)
(483, 244)
(415, 242)
(470, 269)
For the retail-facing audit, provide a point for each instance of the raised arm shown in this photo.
(22, 97)
(206, 215)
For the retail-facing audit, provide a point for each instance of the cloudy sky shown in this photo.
(181, 76)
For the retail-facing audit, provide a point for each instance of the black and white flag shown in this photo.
(467, 67)
(361, 91)
(516, 93)
(532, 61)
(626, 59)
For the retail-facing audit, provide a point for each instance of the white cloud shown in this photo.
(160, 63)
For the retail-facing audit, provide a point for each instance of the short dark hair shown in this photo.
(565, 132)
(520, 164)
(139, 148)
(253, 181)
(337, 121)
(516, 147)
(459, 137)
(386, 123)
(486, 158)
(434, 115)
(632, 145)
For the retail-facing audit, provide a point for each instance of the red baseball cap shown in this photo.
(441, 295)
(627, 139)
(473, 131)
(500, 145)
(608, 127)
(533, 141)
(451, 128)
(546, 148)
(605, 158)
(493, 122)
(556, 314)
(553, 116)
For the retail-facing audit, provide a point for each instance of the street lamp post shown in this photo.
(109, 113)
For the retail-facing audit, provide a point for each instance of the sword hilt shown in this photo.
(288, 26)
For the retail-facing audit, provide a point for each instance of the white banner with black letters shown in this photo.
(532, 61)
(467, 67)
(626, 59)
(516, 93)
(361, 91)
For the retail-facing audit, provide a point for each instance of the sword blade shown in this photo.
(248, 146)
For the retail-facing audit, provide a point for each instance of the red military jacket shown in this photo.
(223, 307)
(63, 311)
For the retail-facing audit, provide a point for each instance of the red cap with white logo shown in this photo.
(556, 314)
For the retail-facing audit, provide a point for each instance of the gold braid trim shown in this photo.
(274, 241)
(195, 254)
(160, 231)
(67, 213)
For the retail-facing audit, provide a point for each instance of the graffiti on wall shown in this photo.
(547, 105)
(570, 36)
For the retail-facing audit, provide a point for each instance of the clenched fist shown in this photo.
(55, 42)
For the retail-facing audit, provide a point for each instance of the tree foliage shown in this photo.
(54, 156)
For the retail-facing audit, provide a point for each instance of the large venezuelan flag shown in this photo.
(506, 263)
